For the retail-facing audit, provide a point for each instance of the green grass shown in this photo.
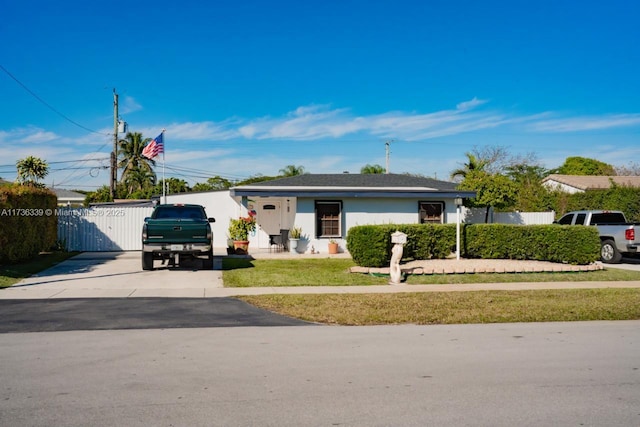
(559, 305)
(457, 307)
(13, 273)
(243, 272)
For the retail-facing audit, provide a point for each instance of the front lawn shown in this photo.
(426, 308)
(243, 272)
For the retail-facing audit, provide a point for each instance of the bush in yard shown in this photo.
(25, 227)
(370, 245)
(573, 245)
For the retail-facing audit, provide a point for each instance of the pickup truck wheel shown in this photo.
(609, 253)
(207, 264)
(147, 260)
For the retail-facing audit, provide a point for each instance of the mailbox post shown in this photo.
(398, 239)
(458, 202)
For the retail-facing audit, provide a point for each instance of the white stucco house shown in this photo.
(325, 206)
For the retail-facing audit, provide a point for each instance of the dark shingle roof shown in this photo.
(352, 185)
(357, 181)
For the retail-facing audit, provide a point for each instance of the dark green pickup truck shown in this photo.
(175, 233)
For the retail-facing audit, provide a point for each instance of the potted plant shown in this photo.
(294, 236)
(239, 230)
(230, 248)
(333, 246)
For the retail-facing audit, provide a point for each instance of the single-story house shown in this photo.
(325, 206)
(68, 197)
(581, 183)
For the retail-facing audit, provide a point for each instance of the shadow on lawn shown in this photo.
(236, 263)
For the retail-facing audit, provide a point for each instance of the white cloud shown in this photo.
(586, 123)
(320, 121)
(128, 105)
(29, 135)
(188, 156)
(193, 131)
(467, 105)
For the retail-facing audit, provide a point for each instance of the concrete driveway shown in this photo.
(116, 275)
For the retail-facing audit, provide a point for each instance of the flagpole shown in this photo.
(164, 182)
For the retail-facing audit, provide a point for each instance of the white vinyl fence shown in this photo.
(102, 229)
(477, 215)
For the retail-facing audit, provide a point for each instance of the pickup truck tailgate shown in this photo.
(169, 231)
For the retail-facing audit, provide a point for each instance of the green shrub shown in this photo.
(618, 197)
(25, 227)
(573, 245)
(370, 245)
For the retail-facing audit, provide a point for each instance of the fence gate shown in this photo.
(102, 229)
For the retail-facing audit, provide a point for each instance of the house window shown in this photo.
(431, 212)
(328, 219)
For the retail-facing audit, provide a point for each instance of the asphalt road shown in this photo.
(135, 313)
(540, 374)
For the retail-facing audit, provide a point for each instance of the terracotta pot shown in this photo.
(333, 248)
(241, 247)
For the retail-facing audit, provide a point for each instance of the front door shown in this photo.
(268, 216)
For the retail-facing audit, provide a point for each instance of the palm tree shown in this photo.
(292, 170)
(139, 179)
(31, 170)
(130, 156)
(473, 164)
(373, 169)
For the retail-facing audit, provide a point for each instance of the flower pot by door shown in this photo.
(333, 248)
(293, 245)
(241, 247)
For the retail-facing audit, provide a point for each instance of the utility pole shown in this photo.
(387, 146)
(114, 159)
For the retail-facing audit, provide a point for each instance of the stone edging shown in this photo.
(557, 268)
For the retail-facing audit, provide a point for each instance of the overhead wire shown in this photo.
(46, 104)
(59, 113)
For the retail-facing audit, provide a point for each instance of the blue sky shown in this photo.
(249, 87)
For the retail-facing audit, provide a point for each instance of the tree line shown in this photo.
(503, 181)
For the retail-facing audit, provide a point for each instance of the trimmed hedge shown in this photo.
(370, 245)
(556, 243)
(25, 227)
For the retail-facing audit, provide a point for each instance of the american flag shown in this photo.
(154, 147)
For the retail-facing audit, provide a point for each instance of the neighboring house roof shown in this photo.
(588, 182)
(125, 202)
(68, 196)
(352, 185)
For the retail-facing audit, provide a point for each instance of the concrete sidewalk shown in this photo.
(119, 275)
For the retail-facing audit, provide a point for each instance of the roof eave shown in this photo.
(353, 193)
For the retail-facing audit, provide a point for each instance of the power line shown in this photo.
(46, 104)
(63, 161)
